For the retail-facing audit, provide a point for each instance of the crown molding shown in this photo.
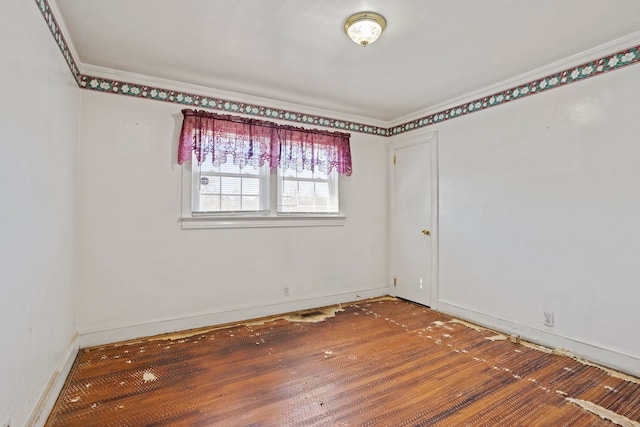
(194, 100)
(60, 33)
(64, 30)
(548, 82)
(108, 74)
(626, 51)
(556, 67)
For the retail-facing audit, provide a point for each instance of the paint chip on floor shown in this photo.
(604, 413)
(148, 377)
(468, 325)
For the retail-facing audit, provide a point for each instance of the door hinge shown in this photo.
(395, 282)
(394, 160)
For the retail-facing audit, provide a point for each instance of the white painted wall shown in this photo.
(39, 121)
(139, 267)
(540, 211)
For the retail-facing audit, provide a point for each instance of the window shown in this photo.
(244, 168)
(229, 188)
(307, 192)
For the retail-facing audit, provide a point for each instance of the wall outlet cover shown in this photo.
(548, 318)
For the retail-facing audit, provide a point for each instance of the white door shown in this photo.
(413, 221)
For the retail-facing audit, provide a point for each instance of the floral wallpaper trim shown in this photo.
(141, 91)
(52, 23)
(194, 100)
(598, 66)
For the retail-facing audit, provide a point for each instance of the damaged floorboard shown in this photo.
(380, 362)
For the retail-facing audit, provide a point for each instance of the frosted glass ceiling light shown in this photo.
(365, 27)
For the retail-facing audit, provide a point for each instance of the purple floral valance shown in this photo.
(256, 142)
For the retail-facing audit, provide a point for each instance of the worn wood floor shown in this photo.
(382, 362)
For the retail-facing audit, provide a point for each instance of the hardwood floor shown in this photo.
(379, 362)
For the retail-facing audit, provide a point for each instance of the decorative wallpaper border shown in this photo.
(551, 81)
(589, 69)
(52, 23)
(194, 100)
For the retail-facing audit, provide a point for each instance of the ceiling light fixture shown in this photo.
(365, 27)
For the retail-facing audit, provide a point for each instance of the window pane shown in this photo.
(322, 189)
(207, 166)
(306, 189)
(229, 167)
(299, 194)
(320, 175)
(250, 203)
(231, 203)
(230, 185)
(209, 185)
(251, 170)
(229, 188)
(290, 188)
(251, 186)
(321, 202)
(305, 173)
(288, 204)
(305, 204)
(209, 203)
(290, 173)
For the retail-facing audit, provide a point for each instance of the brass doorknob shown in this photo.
(426, 232)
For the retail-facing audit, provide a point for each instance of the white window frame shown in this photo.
(334, 188)
(264, 189)
(197, 220)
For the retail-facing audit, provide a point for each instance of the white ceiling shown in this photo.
(296, 51)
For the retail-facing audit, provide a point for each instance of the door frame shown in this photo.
(403, 142)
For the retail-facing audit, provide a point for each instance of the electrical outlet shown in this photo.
(285, 291)
(548, 318)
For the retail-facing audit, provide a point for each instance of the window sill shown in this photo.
(195, 222)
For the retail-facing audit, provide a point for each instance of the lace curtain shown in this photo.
(256, 142)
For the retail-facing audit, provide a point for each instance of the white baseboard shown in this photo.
(602, 356)
(225, 315)
(52, 390)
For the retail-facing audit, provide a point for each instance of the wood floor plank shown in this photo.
(383, 362)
